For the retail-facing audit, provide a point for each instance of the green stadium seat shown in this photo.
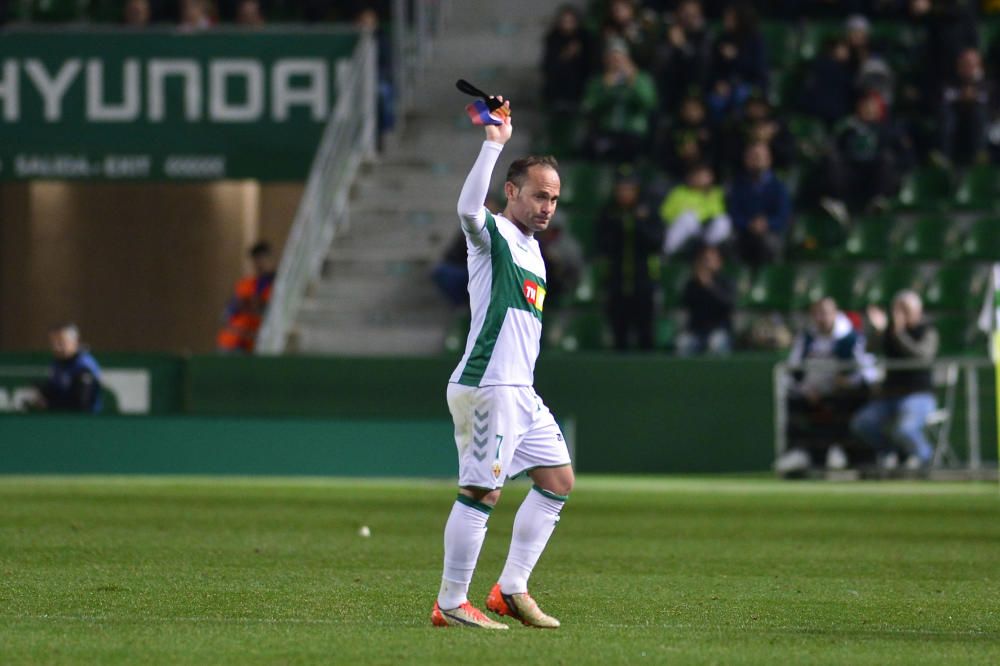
(582, 223)
(781, 42)
(674, 274)
(815, 237)
(978, 189)
(926, 188)
(887, 281)
(869, 238)
(771, 288)
(983, 240)
(841, 282)
(665, 333)
(592, 284)
(956, 333)
(931, 237)
(956, 287)
(586, 331)
(455, 338)
(52, 11)
(585, 184)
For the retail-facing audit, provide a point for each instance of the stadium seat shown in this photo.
(771, 288)
(869, 238)
(888, 280)
(956, 333)
(665, 332)
(931, 237)
(587, 331)
(815, 237)
(956, 287)
(781, 42)
(585, 184)
(977, 189)
(582, 223)
(840, 282)
(926, 188)
(673, 275)
(983, 240)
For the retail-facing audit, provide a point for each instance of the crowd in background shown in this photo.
(688, 99)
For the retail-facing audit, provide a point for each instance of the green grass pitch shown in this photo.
(725, 571)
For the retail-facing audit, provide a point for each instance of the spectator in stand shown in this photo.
(564, 263)
(708, 299)
(965, 111)
(870, 72)
(695, 213)
(568, 60)
(631, 26)
(739, 62)
(245, 311)
(136, 13)
(831, 376)
(682, 60)
(248, 14)
(948, 27)
(760, 208)
(688, 141)
(828, 90)
(618, 104)
(451, 274)
(757, 125)
(866, 161)
(894, 422)
(629, 237)
(74, 383)
(195, 15)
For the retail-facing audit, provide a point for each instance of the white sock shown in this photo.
(533, 526)
(464, 534)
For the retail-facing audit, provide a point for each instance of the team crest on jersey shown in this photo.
(496, 469)
(535, 293)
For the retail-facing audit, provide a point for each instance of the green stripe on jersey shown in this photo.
(506, 292)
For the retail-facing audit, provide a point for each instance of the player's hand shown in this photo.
(500, 133)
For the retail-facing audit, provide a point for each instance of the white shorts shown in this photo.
(501, 432)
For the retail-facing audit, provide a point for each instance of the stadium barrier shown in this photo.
(344, 416)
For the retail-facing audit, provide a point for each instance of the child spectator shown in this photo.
(760, 207)
(708, 299)
(695, 212)
(245, 311)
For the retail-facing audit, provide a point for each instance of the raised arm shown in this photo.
(477, 183)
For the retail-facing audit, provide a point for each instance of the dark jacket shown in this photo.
(709, 307)
(749, 197)
(919, 342)
(74, 385)
(631, 241)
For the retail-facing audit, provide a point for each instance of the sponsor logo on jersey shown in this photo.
(535, 294)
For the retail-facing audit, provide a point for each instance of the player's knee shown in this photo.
(490, 497)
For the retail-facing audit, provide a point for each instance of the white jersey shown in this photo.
(506, 289)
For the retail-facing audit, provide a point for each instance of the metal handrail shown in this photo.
(348, 139)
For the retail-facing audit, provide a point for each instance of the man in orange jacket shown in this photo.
(245, 310)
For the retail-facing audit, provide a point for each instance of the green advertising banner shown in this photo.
(113, 105)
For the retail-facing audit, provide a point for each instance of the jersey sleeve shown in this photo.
(471, 210)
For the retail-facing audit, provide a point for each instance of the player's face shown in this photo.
(534, 203)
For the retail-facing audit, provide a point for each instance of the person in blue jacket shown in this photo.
(74, 382)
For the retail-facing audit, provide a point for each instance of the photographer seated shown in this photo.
(831, 374)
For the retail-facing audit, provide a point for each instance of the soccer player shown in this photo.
(502, 427)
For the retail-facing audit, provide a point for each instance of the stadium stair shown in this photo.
(375, 295)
